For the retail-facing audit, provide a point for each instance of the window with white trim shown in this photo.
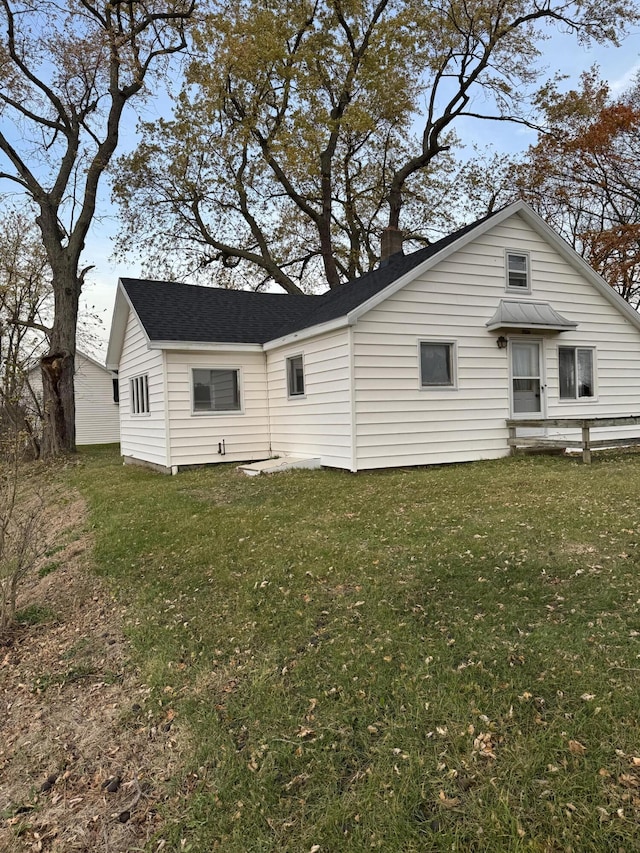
(576, 372)
(295, 376)
(518, 272)
(437, 364)
(139, 391)
(215, 390)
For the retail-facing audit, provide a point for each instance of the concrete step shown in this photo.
(279, 463)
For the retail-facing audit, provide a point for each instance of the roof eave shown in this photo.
(534, 327)
(308, 332)
(205, 346)
(578, 263)
(121, 308)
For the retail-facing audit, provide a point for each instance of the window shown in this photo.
(216, 391)
(295, 376)
(576, 373)
(518, 271)
(139, 387)
(116, 389)
(437, 364)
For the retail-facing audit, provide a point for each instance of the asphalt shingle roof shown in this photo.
(170, 311)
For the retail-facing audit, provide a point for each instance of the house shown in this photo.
(96, 396)
(421, 361)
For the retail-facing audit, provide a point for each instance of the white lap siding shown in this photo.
(198, 438)
(142, 436)
(398, 423)
(318, 423)
(97, 414)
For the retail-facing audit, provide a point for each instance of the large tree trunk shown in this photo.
(58, 368)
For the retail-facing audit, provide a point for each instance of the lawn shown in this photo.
(413, 660)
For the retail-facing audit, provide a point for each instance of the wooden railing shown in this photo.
(585, 443)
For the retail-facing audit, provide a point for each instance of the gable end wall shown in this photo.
(397, 423)
(142, 436)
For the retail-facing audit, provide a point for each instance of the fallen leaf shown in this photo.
(305, 732)
(576, 747)
(448, 802)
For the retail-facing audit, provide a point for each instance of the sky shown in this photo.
(618, 66)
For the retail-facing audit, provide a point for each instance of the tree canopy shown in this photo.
(306, 127)
(583, 177)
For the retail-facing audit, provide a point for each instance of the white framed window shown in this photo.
(437, 364)
(576, 369)
(295, 376)
(139, 392)
(518, 272)
(215, 389)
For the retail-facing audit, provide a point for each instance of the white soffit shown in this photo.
(512, 314)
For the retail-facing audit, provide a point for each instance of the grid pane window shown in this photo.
(216, 391)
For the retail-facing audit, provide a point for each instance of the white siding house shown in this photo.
(97, 410)
(421, 361)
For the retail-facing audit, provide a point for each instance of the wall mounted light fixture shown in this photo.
(502, 342)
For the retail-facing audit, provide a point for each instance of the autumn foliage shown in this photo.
(583, 177)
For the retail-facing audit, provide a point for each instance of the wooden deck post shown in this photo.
(586, 446)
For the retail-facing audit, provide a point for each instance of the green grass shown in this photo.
(35, 614)
(412, 660)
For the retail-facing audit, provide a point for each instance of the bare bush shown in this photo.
(22, 540)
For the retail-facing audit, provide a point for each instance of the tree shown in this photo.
(25, 300)
(583, 177)
(69, 70)
(293, 142)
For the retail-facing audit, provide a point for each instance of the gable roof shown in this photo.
(170, 311)
(183, 313)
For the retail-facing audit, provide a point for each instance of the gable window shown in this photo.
(216, 390)
(295, 376)
(437, 364)
(575, 367)
(139, 390)
(518, 272)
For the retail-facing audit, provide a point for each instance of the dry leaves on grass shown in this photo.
(73, 716)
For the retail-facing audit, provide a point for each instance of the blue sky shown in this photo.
(561, 53)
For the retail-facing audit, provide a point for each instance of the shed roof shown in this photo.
(512, 314)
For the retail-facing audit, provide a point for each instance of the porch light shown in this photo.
(502, 342)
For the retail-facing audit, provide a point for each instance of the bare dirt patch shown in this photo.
(83, 762)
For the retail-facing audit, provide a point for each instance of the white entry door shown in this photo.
(526, 379)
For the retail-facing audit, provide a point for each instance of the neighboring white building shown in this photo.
(421, 361)
(97, 415)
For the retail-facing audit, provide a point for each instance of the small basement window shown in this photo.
(437, 364)
(139, 389)
(575, 365)
(518, 271)
(295, 376)
(216, 390)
